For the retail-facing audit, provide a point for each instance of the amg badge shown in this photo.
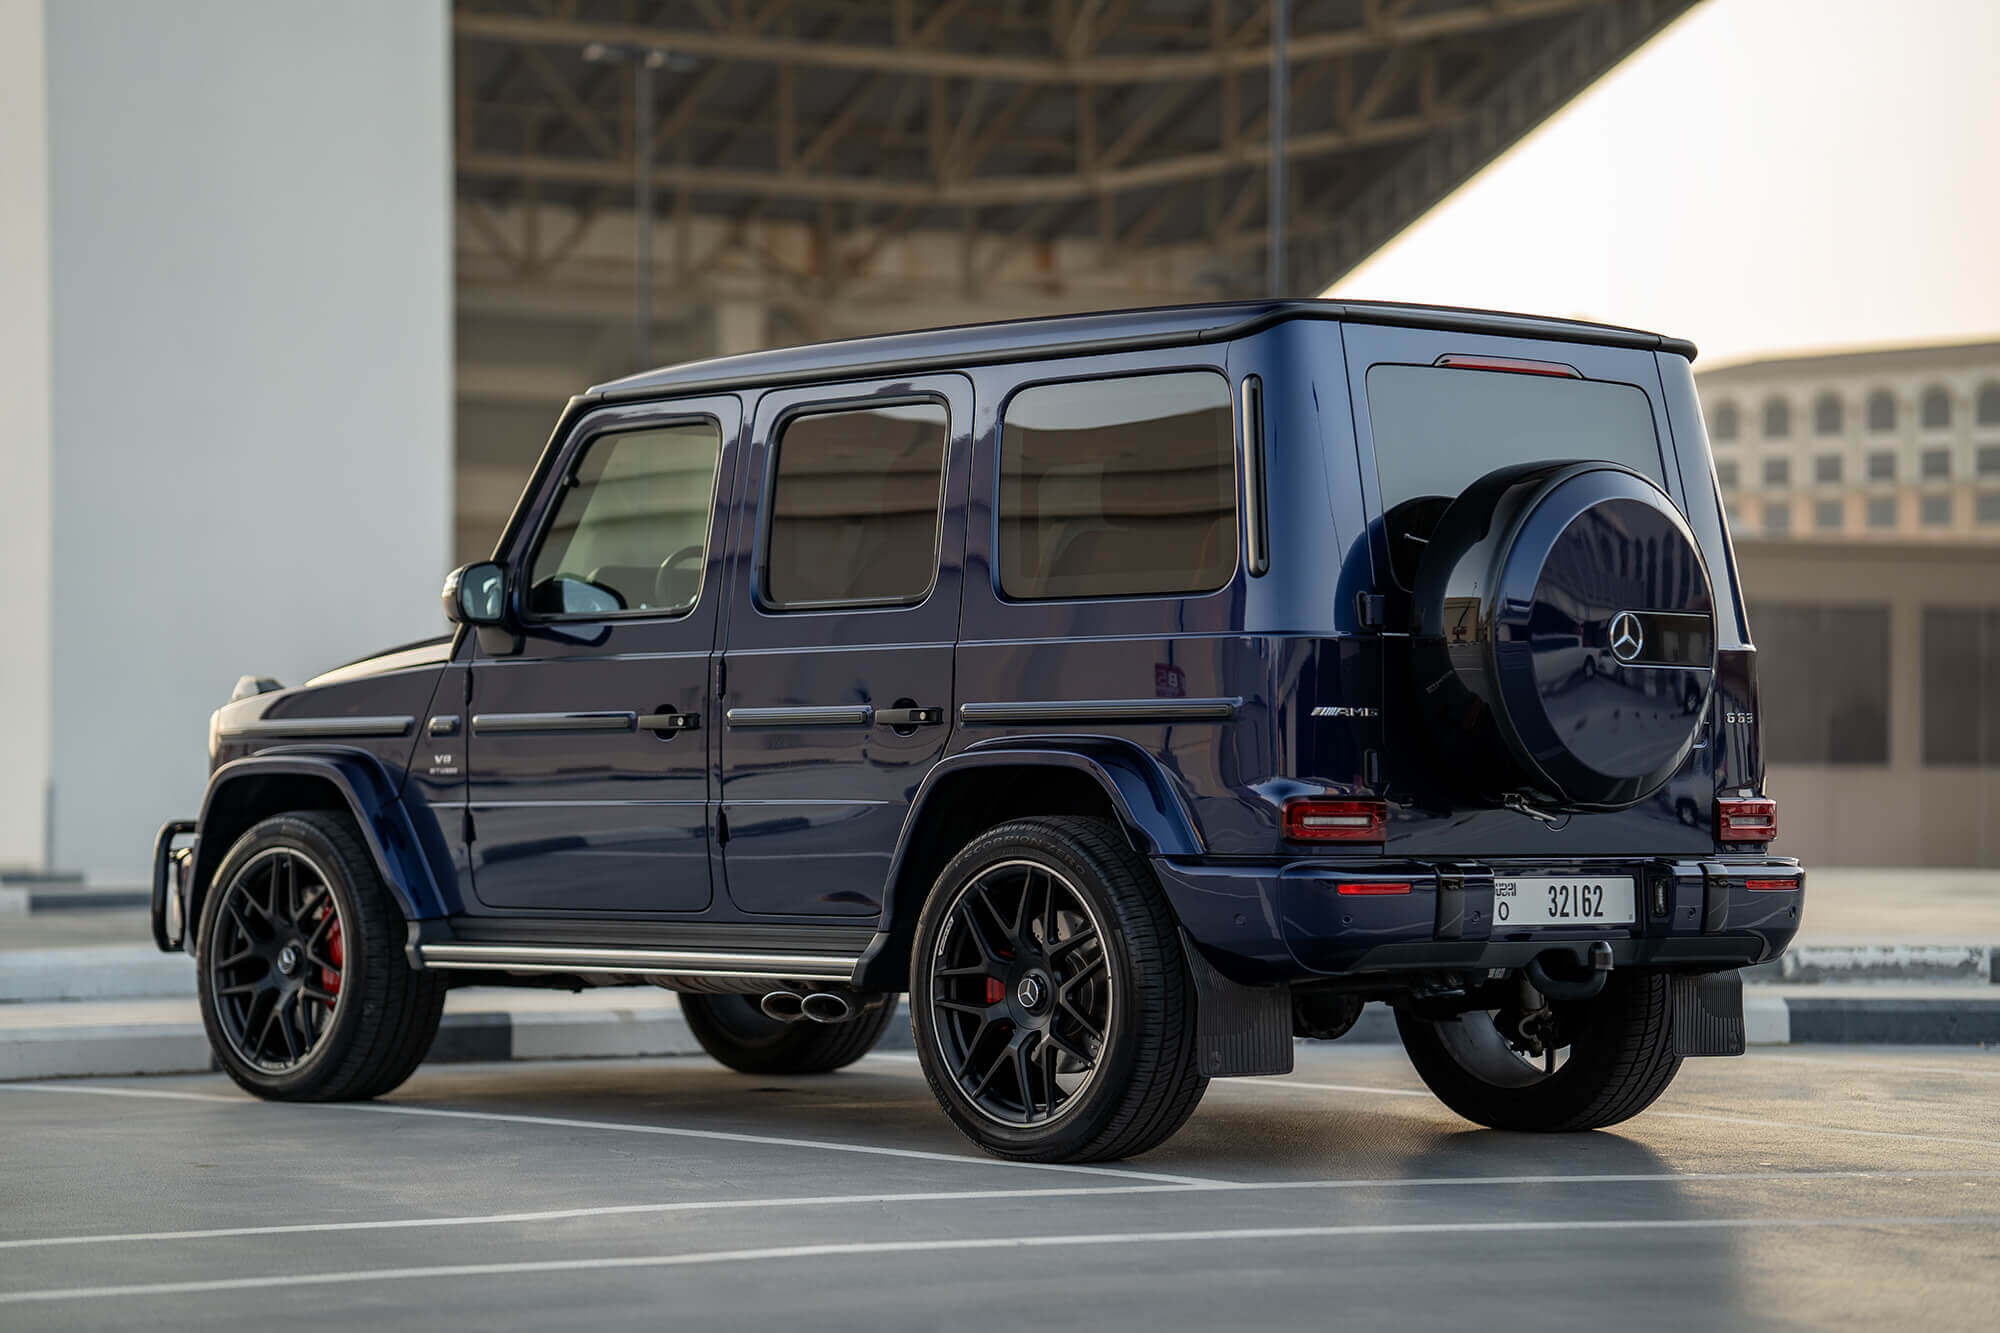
(1327, 711)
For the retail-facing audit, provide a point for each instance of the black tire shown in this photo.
(1621, 1058)
(1144, 1081)
(737, 1033)
(383, 1014)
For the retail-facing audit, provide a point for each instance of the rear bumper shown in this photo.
(1273, 923)
(171, 865)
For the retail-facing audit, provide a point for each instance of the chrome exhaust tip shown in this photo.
(826, 1007)
(787, 1006)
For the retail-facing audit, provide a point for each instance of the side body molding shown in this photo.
(402, 854)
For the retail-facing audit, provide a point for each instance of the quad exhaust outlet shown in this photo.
(820, 1006)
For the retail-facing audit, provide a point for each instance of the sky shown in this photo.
(1764, 176)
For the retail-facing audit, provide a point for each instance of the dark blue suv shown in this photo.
(1138, 692)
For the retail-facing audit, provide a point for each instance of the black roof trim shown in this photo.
(1092, 334)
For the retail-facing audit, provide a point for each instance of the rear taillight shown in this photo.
(1372, 888)
(1745, 819)
(1320, 819)
(1772, 885)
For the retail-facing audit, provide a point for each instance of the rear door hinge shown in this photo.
(1371, 609)
(467, 828)
(721, 827)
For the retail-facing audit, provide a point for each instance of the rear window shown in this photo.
(1437, 430)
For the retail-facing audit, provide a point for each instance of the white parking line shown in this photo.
(957, 1196)
(624, 1127)
(1884, 1064)
(857, 1248)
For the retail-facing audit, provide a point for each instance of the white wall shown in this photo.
(24, 440)
(252, 300)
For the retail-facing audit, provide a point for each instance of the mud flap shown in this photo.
(1240, 1030)
(1708, 1013)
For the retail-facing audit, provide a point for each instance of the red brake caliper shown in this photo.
(329, 979)
(996, 990)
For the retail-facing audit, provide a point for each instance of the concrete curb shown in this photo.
(66, 1050)
(34, 899)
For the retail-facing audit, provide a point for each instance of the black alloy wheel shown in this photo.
(1020, 987)
(275, 965)
(1050, 998)
(304, 987)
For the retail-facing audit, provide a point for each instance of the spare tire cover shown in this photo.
(1566, 644)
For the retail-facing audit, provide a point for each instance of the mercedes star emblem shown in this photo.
(1628, 636)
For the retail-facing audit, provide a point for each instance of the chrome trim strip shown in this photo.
(320, 726)
(1099, 710)
(1258, 548)
(826, 715)
(638, 962)
(495, 724)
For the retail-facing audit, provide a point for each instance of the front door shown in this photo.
(842, 624)
(588, 753)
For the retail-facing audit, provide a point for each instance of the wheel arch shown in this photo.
(978, 788)
(246, 791)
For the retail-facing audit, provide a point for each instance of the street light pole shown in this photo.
(1281, 24)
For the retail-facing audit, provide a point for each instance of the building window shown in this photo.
(854, 507)
(1989, 460)
(1828, 419)
(1728, 474)
(1777, 418)
(1934, 408)
(1935, 511)
(1726, 421)
(1882, 512)
(1826, 468)
(1961, 647)
(1934, 463)
(1881, 410)
(1988, 413)
(1823, 682)
(1120, 487)
(1777, 472)
(1828, 515)
(1777, 518)
(1989, 507)
(1882, 465)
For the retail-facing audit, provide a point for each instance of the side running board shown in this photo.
(460, 956)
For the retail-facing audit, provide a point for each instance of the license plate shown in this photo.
(1564, 900)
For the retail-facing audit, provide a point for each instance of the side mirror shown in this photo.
(476, 595)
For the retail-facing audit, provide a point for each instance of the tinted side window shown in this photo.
(1118, 488)
(630, 532)
(854, 506)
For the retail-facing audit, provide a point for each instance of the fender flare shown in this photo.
(392, 837)
(1150, 810)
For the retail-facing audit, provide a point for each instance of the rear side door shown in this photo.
(841, 636)
(588, 755)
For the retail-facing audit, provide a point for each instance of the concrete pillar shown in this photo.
(25, 450)
(249, 261)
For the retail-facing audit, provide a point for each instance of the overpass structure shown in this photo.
(289, 294)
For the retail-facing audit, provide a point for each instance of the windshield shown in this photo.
(1437, 430)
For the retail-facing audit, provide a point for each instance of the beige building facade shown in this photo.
(1897, 444)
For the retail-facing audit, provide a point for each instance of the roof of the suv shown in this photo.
(1112, 331)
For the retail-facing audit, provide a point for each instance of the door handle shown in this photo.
(908, 717)
(669, 721)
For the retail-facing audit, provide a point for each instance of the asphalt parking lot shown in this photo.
(1809, 1187)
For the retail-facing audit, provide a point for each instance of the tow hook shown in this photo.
(1557, 988)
